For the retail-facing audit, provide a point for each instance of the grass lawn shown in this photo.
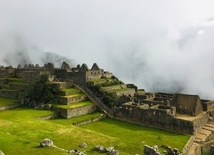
(133, 137)
(7, 101)
(98, 80)
(73, 105)
(21, 133)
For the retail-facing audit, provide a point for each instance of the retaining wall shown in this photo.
(188, 145)
(69, 113)
(90, 120)
(70, 100)
(12, 106)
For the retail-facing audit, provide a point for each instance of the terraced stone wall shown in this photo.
(70, 100)
(159, 118)
(69, 113)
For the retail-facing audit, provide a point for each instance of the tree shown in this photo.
(43, 91)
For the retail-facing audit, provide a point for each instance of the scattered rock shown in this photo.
(76, 152)
(1, 153)
(171, 151)
(99, 148)
(109, 149)
(83, 144)
(114, 152)
(46, 142)
(148, 150)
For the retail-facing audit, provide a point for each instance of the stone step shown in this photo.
(208, 128)
(209, 125)
(205, 132)
(200, 137)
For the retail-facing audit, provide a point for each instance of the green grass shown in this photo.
(136, 136)
(20, 83)
(7, 101)
(73, 95)
(21, 133)
(98, 80)
(69, 90)
(118, 90)
(73, 105)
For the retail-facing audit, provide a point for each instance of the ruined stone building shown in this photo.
(79, 74)
(182, 113)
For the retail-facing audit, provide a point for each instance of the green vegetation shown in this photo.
(7, 101)
(136, 136)
(108, 98)
(73, 105)
(73, 90)
(21, 133)
(73, 95)
(118, 90)
(43, 91)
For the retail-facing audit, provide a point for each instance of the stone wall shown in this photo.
(90, 120)
(200, 122)
(187, 104)
(126, 92)
(69, 113)
(70, 100)
(188, 145)
(212, 149)
(113, 87)
(159, 118)
(208, 146)
(9, 93)
(19, 86)
(12, 106)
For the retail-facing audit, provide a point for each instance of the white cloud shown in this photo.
(159, 45)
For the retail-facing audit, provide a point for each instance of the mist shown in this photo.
(157, 45)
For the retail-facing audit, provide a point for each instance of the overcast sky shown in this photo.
(160, 45)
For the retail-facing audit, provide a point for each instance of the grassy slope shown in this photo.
(21, 132)
(73, 105)
(134, 136)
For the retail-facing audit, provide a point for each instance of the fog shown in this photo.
(157, 45)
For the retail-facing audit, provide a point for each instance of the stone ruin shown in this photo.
(180, 113)
(80, 74)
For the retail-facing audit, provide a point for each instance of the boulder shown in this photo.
(109, 149)
(83, 144)
(114, 152)
(99, 148)
(46, 142)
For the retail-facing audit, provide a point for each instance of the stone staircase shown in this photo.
(96, 100)
(205, 134)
